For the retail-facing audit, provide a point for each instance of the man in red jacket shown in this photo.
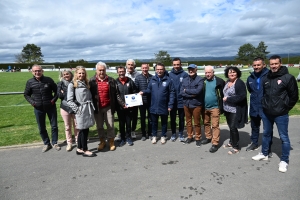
(105, 94)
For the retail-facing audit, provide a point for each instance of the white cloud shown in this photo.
(97, 30)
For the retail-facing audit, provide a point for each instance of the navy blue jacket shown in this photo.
(162, 94)
(191, 91)
(256, 94)
(141, 83)
(177, 77)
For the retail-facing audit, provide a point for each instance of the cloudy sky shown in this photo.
(107, 29)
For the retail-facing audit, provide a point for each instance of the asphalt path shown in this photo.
(147, 171)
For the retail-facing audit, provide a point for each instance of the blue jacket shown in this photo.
(162, 94)
(191, 91)
(256, 94)
(177, 77)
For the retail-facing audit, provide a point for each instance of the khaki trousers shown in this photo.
(211, 119)
(193, 113)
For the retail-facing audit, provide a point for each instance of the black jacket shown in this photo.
(115, 99)
(41, 94)
(280, 92)
(240, 101)
(141, 83)
(220, 83)
(128, 88)
(63, 96)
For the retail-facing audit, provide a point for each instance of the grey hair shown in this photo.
(209, 67)
(100, 64)
(130, 60)
(61, 74)
(36, 65)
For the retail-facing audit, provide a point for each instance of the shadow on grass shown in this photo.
(7, 126)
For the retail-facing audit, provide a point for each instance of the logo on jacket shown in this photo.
(279, 81)
(164, 84)
(181, 79)
(127, 84)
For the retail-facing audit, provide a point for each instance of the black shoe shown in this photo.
(213, 149)
(188, 141)
(89, 155)
(252, 147)
(79, 153)
(205, 141)
(198, 143)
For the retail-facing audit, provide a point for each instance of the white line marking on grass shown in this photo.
(15, 105)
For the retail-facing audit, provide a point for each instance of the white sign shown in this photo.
(133, 100)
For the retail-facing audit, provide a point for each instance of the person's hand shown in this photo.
(141, 93)
(61, 91)
(169, 109)
(224, 98)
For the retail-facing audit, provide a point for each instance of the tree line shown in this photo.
(31, 53)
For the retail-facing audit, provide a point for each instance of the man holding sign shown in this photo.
(125, 114)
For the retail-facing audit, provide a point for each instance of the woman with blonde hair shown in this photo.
(80, 100)
(66, 112)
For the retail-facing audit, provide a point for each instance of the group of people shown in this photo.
(189, 99)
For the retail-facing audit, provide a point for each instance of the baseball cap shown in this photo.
(192, 66)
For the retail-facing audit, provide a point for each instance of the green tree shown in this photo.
(246, 53)
(19, 58)
(162, 57)
(261, 50)
(32, 54)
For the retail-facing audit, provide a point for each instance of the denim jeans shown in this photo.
(164, 124)
(145, 114)
(41, 121)
(255, 126)
(173, 116)
(282, 123)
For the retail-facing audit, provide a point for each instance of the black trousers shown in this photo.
(145, 114)
(125, 118)
(234, 133)
(135, 111)
(82, 139)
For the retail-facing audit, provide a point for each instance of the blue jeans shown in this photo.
(41, 121)
(255, 126)
(173, 117)
(282, 123)
(164, 124)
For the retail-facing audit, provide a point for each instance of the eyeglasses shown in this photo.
(36, 71)
(129, 64)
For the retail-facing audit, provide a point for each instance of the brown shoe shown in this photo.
(102, 144)
(112, 144)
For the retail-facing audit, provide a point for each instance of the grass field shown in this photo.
(17, 120)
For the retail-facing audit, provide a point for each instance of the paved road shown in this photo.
(147, 171)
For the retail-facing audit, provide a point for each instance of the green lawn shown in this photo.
(17, 120)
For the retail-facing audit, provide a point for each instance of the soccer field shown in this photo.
(17, 120)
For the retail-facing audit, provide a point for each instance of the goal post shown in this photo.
(48, 67)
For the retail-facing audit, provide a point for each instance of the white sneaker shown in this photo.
(133, 135)
(163, 140)
(118, 137)
(153, 140)
(260, 156)
(283, 166)
(69, 147)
